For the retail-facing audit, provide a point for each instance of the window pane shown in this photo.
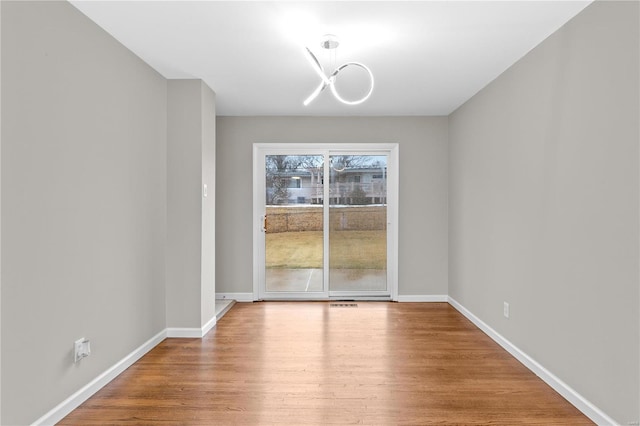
(294, 239)
(358, 223)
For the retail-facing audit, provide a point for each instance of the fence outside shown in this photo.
(309, 218)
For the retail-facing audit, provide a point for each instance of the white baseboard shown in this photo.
(184, 332)
(209, 325)
(248, 297)
(191, 332)
(581, 403)
(238, 297)
(74, 401)
(423, 298)
(223, 311)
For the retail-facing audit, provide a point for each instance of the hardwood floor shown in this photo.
(309, 363)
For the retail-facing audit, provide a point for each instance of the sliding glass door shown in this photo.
(293, 223)
(358, 224)
(319, 237)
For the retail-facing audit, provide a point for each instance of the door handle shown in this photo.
(264, 223)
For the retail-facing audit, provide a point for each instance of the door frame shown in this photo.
(389, 149)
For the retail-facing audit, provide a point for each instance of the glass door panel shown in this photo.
(358, 224)
(293, 224)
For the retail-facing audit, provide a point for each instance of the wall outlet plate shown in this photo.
(81, 349)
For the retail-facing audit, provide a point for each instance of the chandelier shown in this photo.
(330, 42)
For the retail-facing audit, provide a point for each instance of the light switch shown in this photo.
(204, 190)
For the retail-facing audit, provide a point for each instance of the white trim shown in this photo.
(68, 405)
(288, 147)
(191, 332)
(293, 296)
(393, 219)
(223, 311)
(260, 150)
(257, 210)
(348, 294)
(209, 325)
(580, 402)
(238, 297)
(423, 298)
(74, 401)
(184, 332)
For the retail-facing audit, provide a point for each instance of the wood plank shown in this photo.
(308, 363)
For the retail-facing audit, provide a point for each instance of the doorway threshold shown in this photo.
(360, 298)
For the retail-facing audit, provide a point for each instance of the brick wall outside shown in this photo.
(309, 218)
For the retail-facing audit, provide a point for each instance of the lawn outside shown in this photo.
(348, 249)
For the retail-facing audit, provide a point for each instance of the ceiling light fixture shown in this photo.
(330, 42)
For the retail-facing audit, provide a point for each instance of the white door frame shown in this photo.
(259, 152)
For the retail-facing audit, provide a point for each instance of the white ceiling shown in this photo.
(428, 57)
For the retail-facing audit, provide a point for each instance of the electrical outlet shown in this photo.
(506, 310)
(81, 349)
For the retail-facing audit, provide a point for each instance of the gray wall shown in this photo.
(83, 208)
(184, 211)
(543, 185)
(190, 163)
(544, 205)
(423, 190)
